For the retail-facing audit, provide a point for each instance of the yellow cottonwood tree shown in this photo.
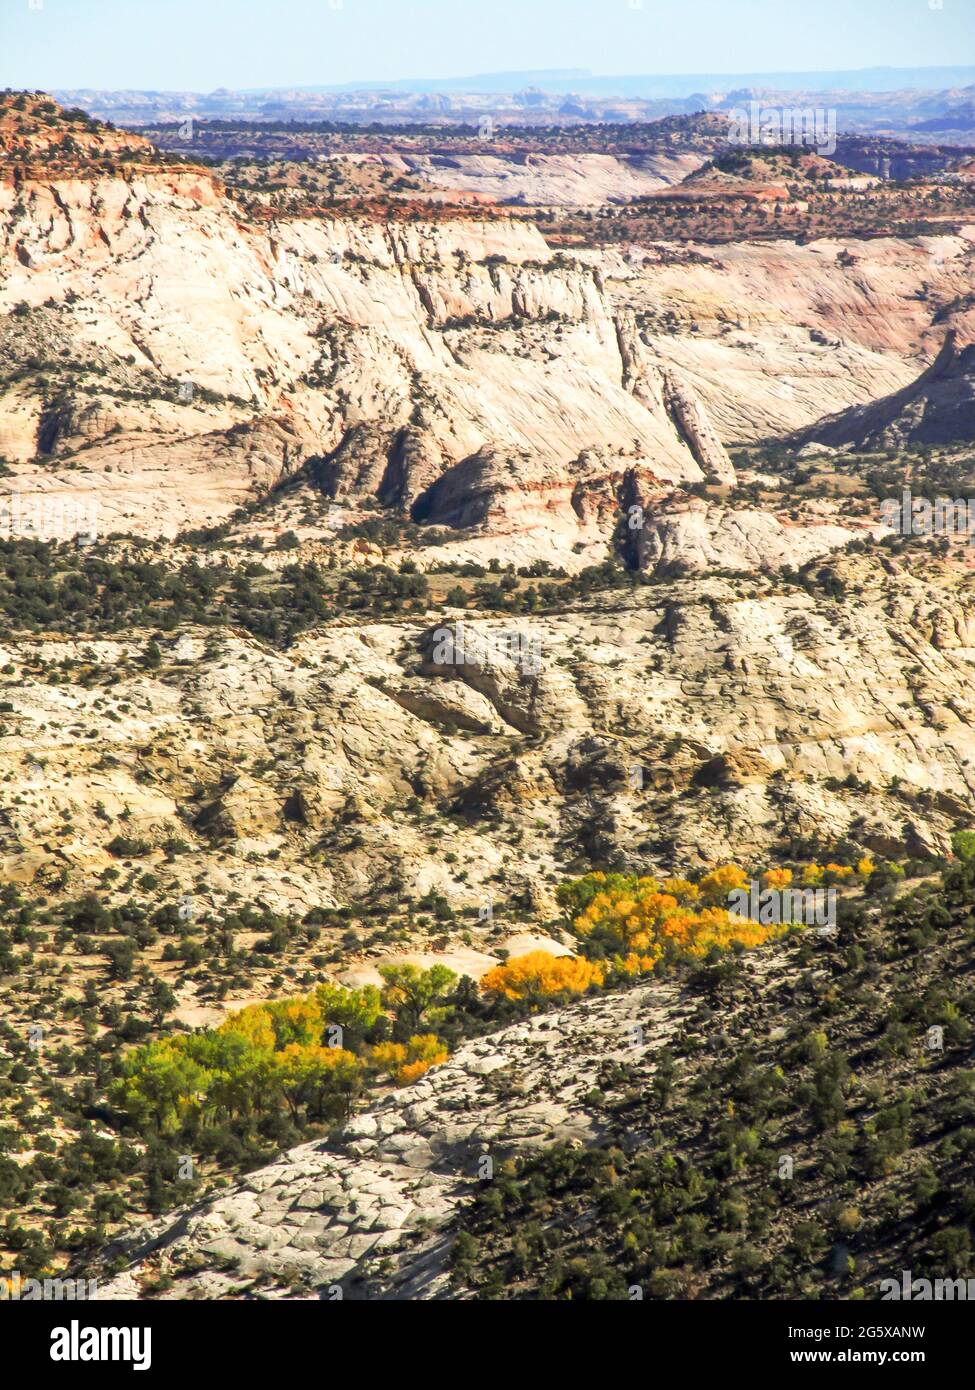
(323, 1079)
(406, 1062)
(540, 974)
(635, 924)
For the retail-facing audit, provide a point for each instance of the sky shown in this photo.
(199, 45)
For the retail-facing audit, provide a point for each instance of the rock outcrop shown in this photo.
(686, 535)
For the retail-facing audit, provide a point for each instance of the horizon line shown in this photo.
(548, 74)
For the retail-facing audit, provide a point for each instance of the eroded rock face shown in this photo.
(576, 180)
(360, 464)
(244, 808)
(503, 493)
(691, 419)
(705, 720)
(687, 535)
(71, 425)
(399, 353)
(776, 336)
(390, 352)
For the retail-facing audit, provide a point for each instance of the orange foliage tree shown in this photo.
(539, 974)
(406, 1062)
(638, 922)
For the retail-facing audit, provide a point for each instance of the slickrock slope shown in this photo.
(154, 328)
(317, 331)
(773, 336)
(569, 180)
(938, 408)
(370, 1211)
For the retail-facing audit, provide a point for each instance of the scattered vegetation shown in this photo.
(804, 1136)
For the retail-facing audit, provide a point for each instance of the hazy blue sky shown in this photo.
(202, 44)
